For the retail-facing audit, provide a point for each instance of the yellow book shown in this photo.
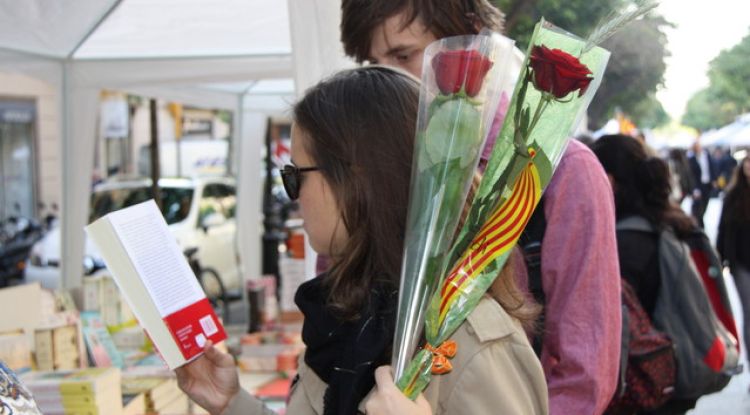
(179, 405)
(140, 384)
(91, 381)
(84, 400)
(57, 348)
(95, 411)
(109, 403)
(79, 400)
(134, 404)
(165, 392)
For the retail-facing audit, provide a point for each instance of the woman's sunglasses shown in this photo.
(291, 176)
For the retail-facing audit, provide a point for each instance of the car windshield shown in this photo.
(175, 201)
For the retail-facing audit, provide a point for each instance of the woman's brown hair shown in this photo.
(737, 196)
(642, 185)
(360, 125)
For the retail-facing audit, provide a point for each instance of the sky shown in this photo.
(703, 29)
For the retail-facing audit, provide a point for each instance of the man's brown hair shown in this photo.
(443, 18)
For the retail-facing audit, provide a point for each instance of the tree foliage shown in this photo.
(728, 92)
(636, 67)
(706, 109)
(575, 16)
(649, 113)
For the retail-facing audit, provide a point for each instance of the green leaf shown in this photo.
(454, 132)
(417, 374)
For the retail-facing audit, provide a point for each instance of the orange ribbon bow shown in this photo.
(440, 356)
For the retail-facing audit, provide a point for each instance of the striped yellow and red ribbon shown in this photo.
(495, 238)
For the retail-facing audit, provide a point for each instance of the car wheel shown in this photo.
(214, 289)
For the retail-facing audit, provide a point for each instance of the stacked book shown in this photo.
(100, 294)
(161, 395)
(94, 391)
(271, 351)
(15, 350)
(57, 348)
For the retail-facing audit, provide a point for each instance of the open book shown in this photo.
(154, 277)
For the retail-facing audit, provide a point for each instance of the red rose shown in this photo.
(457, 68)
(558, 72)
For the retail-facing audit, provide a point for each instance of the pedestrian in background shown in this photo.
(641, 187)
(733, 239)
(682, 177)
(725, 165)
(703, 170)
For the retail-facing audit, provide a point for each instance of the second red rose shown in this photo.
(558, 72)
(460, 68)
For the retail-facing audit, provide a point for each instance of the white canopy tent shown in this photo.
(736, 134)
(247, 56)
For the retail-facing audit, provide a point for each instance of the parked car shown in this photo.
(17, 235)
(200, 213)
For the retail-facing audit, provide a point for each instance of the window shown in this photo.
(175, 201)
(218, 198)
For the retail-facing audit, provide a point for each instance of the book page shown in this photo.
(156, 256)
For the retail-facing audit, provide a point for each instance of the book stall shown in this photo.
(97, 358)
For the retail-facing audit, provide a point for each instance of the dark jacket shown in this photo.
(639, 265)
(695, 169)
(733, 239)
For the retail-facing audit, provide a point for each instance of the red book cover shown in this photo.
(193, 325)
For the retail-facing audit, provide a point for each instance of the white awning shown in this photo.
(249, 56)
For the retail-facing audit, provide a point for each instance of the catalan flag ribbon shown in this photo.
(541, 118)
(496, 238)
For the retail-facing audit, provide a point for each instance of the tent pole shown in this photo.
(93, 28)
(66, 276)
(237, 148)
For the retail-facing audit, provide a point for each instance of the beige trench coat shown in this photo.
(495, 371)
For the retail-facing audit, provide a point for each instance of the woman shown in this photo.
(352, 144)
(641, 186)
(733, 239)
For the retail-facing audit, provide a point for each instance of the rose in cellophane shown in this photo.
(460, 91)
(556, 84)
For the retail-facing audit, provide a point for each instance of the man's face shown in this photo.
(403, 48)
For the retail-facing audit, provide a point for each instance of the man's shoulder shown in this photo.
(577, 152)
(579, 171)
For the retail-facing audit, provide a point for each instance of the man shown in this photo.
(704, 174)
(725, 165)
(580, 273)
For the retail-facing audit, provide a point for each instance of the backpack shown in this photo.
(647, 360)
(647, 374)
(707, 353)
(710, 267)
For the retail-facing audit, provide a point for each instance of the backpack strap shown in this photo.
(635, 223)
(530, 242)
